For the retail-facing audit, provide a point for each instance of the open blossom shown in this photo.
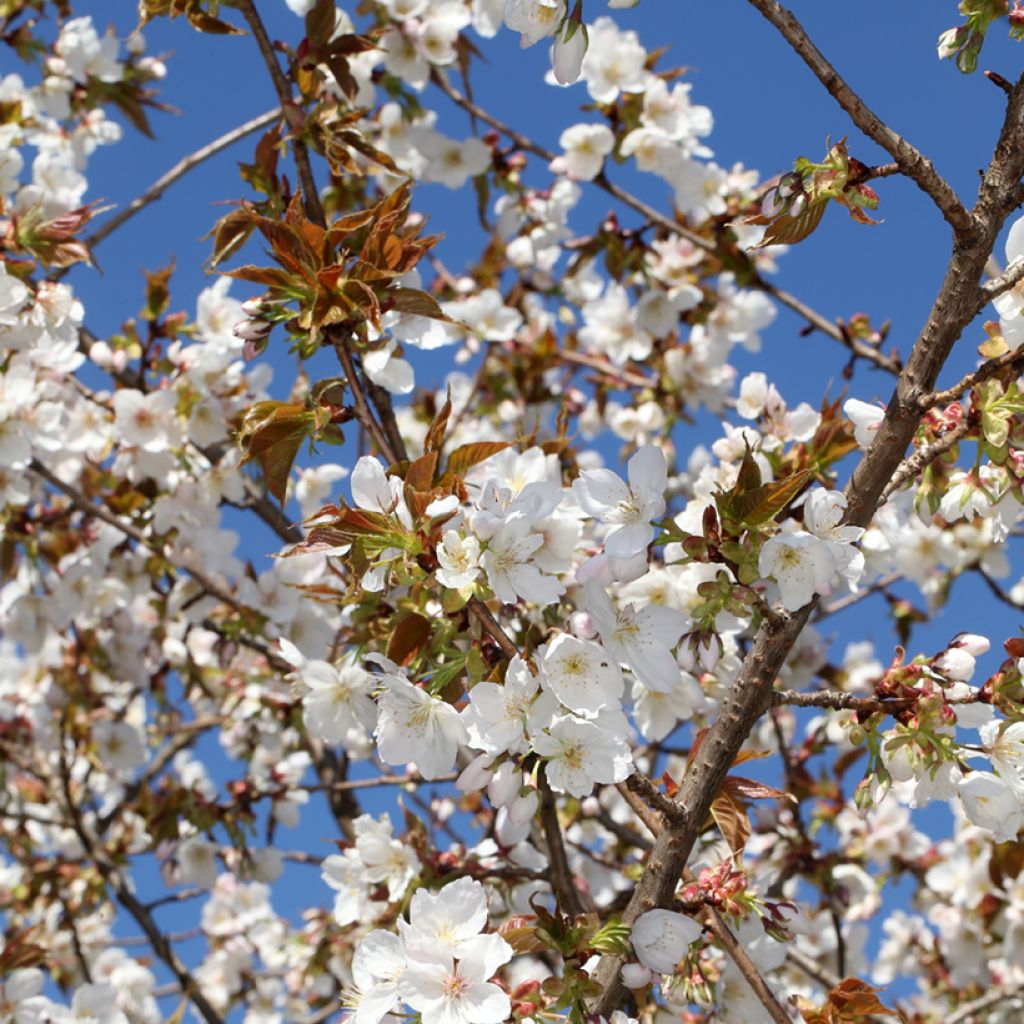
(459, 560)
(580, 674)
(585, 146)
(447, 922)
(579, 754)
(966, 497)
(413, 726)
(534, 19)
(496, 715)
(628, 509)
(1010, 305)
(1005, 748)
(337, 707)
(641, 638)
(384, 858)
(510, 570)
(801, 564)
(377, 964)
(661, 939)
(445, 991)
(990, 803)
(823, 517)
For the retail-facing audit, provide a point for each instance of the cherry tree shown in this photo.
(543, 709)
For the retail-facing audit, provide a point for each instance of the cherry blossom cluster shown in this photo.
(480, 604)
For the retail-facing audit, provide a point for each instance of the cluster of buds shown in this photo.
(723, 887)
(260, 317)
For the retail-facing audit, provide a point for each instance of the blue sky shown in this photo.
(768, 110)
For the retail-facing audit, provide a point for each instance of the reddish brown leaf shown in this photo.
(731, 818)
(435, 434)
(466, 456)
(409, 638)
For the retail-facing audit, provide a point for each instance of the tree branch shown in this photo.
(924, 457)
(911, 162)
(179, 170)
(363, 412)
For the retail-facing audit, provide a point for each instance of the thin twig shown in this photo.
(968, 1011)
(924, 457)
(842, 603)
(1010, 278)
(837, 700)
(179, 170)
(1008, 360)
(746, 966)
(491, 627)
(644, 788)
(363, 412)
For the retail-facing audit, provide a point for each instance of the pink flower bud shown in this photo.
(582, 625)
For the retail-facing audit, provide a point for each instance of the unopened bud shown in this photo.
(582, 625)
(636, 976)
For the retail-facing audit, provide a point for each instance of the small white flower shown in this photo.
(444, 991)
(446, 922)
(379, 961)
(496, 715)
(580, 674)
(413, 726)
(628, 509)
(1005, 748)
(801, 564)
(338, 707)
(579, 754)
(661, 938)
(585, 146)
(459, 560)
(641, 638)
(991, 804)
(510, 571)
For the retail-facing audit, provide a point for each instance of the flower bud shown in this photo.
(475, 775)
(582, 625)
(504, 785)
(567, 54)
(972, 643)
(523, 808)
(950, 41)
(636, 976)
